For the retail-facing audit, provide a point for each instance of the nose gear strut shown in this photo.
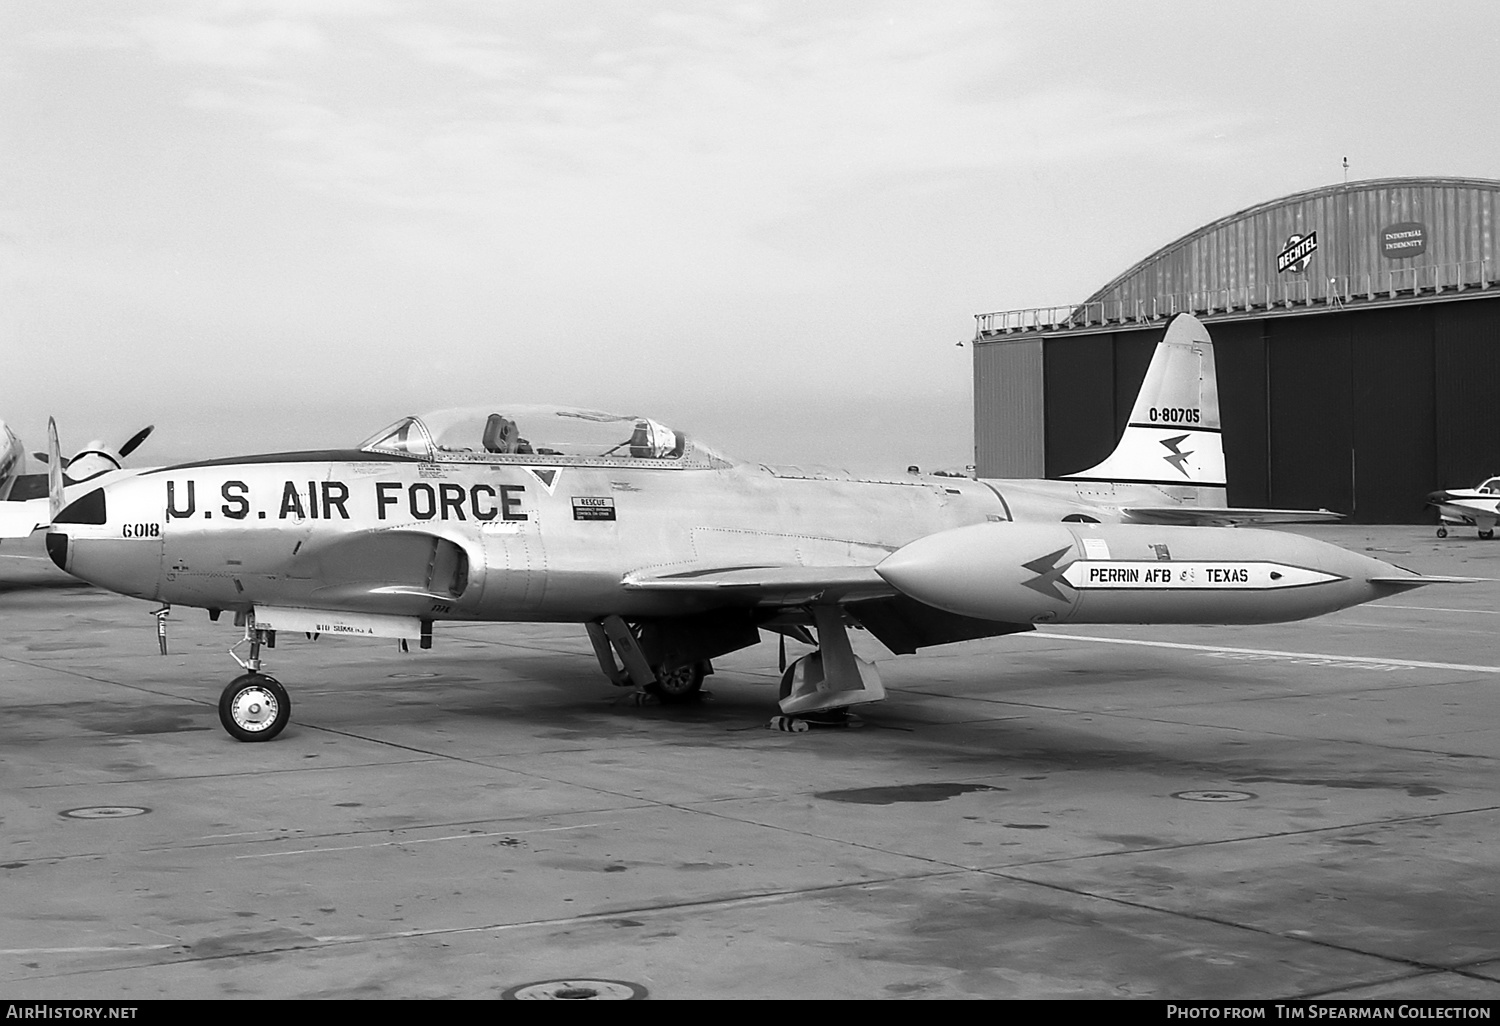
(254, 707)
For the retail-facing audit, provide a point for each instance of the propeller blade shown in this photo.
(54, 472)
(136, 439)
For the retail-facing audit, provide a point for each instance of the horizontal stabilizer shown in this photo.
(1226, 516)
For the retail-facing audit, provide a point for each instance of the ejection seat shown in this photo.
(501, 435)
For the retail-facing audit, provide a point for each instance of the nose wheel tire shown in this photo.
(681, 684)
(1442, 532)
(254, 707)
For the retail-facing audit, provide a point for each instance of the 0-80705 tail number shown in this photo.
(1175, 415)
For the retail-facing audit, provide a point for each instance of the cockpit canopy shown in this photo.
(534, 434)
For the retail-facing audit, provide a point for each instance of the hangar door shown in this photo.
(1240, 363)
(1311, 445)
(1350, 403)
(1392, 414)
(1079, 382)
(1466, 366)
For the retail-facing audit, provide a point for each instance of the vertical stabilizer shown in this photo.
(12, 460)
(1172, 437)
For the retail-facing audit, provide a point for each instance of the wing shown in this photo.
(1226, 516)
(900, 622)
(20, 519)
(28, 486)
(1473, 514)
(769, 585)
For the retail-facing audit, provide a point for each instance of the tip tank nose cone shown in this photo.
(949, 570)
(919, 565)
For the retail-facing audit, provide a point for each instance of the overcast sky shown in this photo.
(270, 224)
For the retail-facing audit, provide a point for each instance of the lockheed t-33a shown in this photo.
(671, 553)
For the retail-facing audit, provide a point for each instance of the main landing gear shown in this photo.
(623, 661)
(680, 684)
(1485, 533)
(816, 689)
(254, 707)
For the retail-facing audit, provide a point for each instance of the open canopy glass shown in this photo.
(483, 433)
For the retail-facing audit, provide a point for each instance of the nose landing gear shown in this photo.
(254, 707)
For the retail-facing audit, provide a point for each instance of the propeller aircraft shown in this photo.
(92, 461)
(26, 502)
(1479, 506)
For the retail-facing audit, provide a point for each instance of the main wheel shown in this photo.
(1487, 533)
(1442, 532)
(254, 707)
(681, 684)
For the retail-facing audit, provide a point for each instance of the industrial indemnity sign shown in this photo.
(1400, 241)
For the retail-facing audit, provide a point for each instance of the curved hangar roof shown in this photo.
(1375, 235)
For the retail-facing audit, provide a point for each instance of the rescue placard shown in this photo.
(593, 507)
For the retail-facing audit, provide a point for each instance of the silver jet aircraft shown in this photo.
(670, 553)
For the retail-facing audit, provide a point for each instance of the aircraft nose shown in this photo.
(89, 541)
(57, 549)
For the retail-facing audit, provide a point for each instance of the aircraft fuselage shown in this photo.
(493, 541)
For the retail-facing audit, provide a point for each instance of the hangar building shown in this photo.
(1356, 330)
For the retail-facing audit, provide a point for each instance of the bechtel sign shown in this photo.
(1299, 250)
